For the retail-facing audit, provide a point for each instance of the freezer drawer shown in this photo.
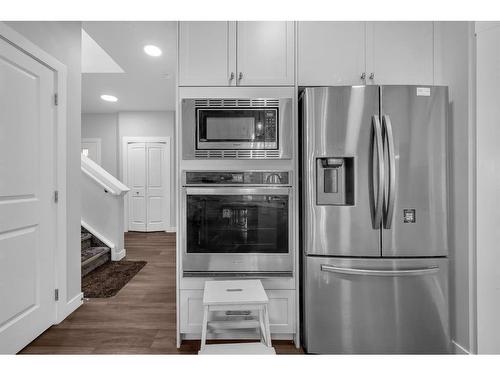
(378, 306)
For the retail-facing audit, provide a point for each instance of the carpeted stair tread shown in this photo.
(91, 252)
(94, 253)
(85, 236)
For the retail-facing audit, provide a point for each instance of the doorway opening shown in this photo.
(128, 133)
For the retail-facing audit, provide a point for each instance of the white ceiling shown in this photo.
(148, 83)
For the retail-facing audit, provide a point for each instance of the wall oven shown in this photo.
(237, 128)
(237, 223)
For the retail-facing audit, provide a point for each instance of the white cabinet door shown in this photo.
(281, 311)
(207, 53)
(400, 53)
(27, 209)
(331, 53)
(136, 158)
(265, 53)
(157, 170)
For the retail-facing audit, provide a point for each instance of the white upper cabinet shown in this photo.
(331, 53)
(341, 53)
(265, 53)
(400, 52)
(249, 53)
(207, 53)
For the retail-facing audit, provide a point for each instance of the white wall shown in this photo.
(105, 127)
(131, 124)
(62, 40)
(488, 186)
(453, 46)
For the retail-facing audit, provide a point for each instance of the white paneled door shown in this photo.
(148, 170)
(27, 208)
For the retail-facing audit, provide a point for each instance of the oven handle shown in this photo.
(237, 191)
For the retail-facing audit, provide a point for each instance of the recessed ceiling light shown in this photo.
(109, 98)
(152, 50)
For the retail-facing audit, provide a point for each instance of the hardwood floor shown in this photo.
(140, 319)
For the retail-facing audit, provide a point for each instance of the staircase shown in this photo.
(102, 203)
(94, 252)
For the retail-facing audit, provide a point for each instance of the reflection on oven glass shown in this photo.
(237, 223)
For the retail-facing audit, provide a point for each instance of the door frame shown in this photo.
(168, 183)
(96, 141)
(63, 306)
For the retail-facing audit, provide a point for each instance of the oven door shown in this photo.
(237, 231)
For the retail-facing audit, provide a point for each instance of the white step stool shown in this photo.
(236, 295)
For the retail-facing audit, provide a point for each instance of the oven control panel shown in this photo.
(236, 178)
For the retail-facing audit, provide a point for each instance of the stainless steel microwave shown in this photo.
(237, 128)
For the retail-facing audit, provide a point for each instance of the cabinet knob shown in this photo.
(231, 77)
(372, 76)
(240, 76)
(363, 75)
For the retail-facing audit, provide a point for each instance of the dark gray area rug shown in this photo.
(105, 281)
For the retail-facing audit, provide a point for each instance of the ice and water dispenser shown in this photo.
(335, 181)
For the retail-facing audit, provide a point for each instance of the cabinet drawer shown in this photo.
(281, 311)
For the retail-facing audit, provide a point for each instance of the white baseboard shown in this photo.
(71, 306)
(459, 349)
(171, 230)
(118, 255)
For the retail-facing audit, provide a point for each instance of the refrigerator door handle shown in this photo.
(377, 141)
(390, 197)
(378, 272)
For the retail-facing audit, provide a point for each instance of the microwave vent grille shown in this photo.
(221, 103)
(237, 154)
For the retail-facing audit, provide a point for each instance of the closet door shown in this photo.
(148, 171)
(137, 183)
(156, 188)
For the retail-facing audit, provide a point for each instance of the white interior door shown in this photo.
(27, 209)
(91, 148)
(148, 171)
(137, 183)
(156, 171)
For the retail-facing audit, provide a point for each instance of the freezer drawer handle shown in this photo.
(376, 272)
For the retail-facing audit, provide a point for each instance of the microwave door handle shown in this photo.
(377, 142)
(391, 187)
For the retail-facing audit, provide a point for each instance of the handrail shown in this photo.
(106, 187)
(100, 176)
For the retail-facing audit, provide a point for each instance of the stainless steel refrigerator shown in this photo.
(374, 219)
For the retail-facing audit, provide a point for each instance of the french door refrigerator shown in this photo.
(374, 219)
